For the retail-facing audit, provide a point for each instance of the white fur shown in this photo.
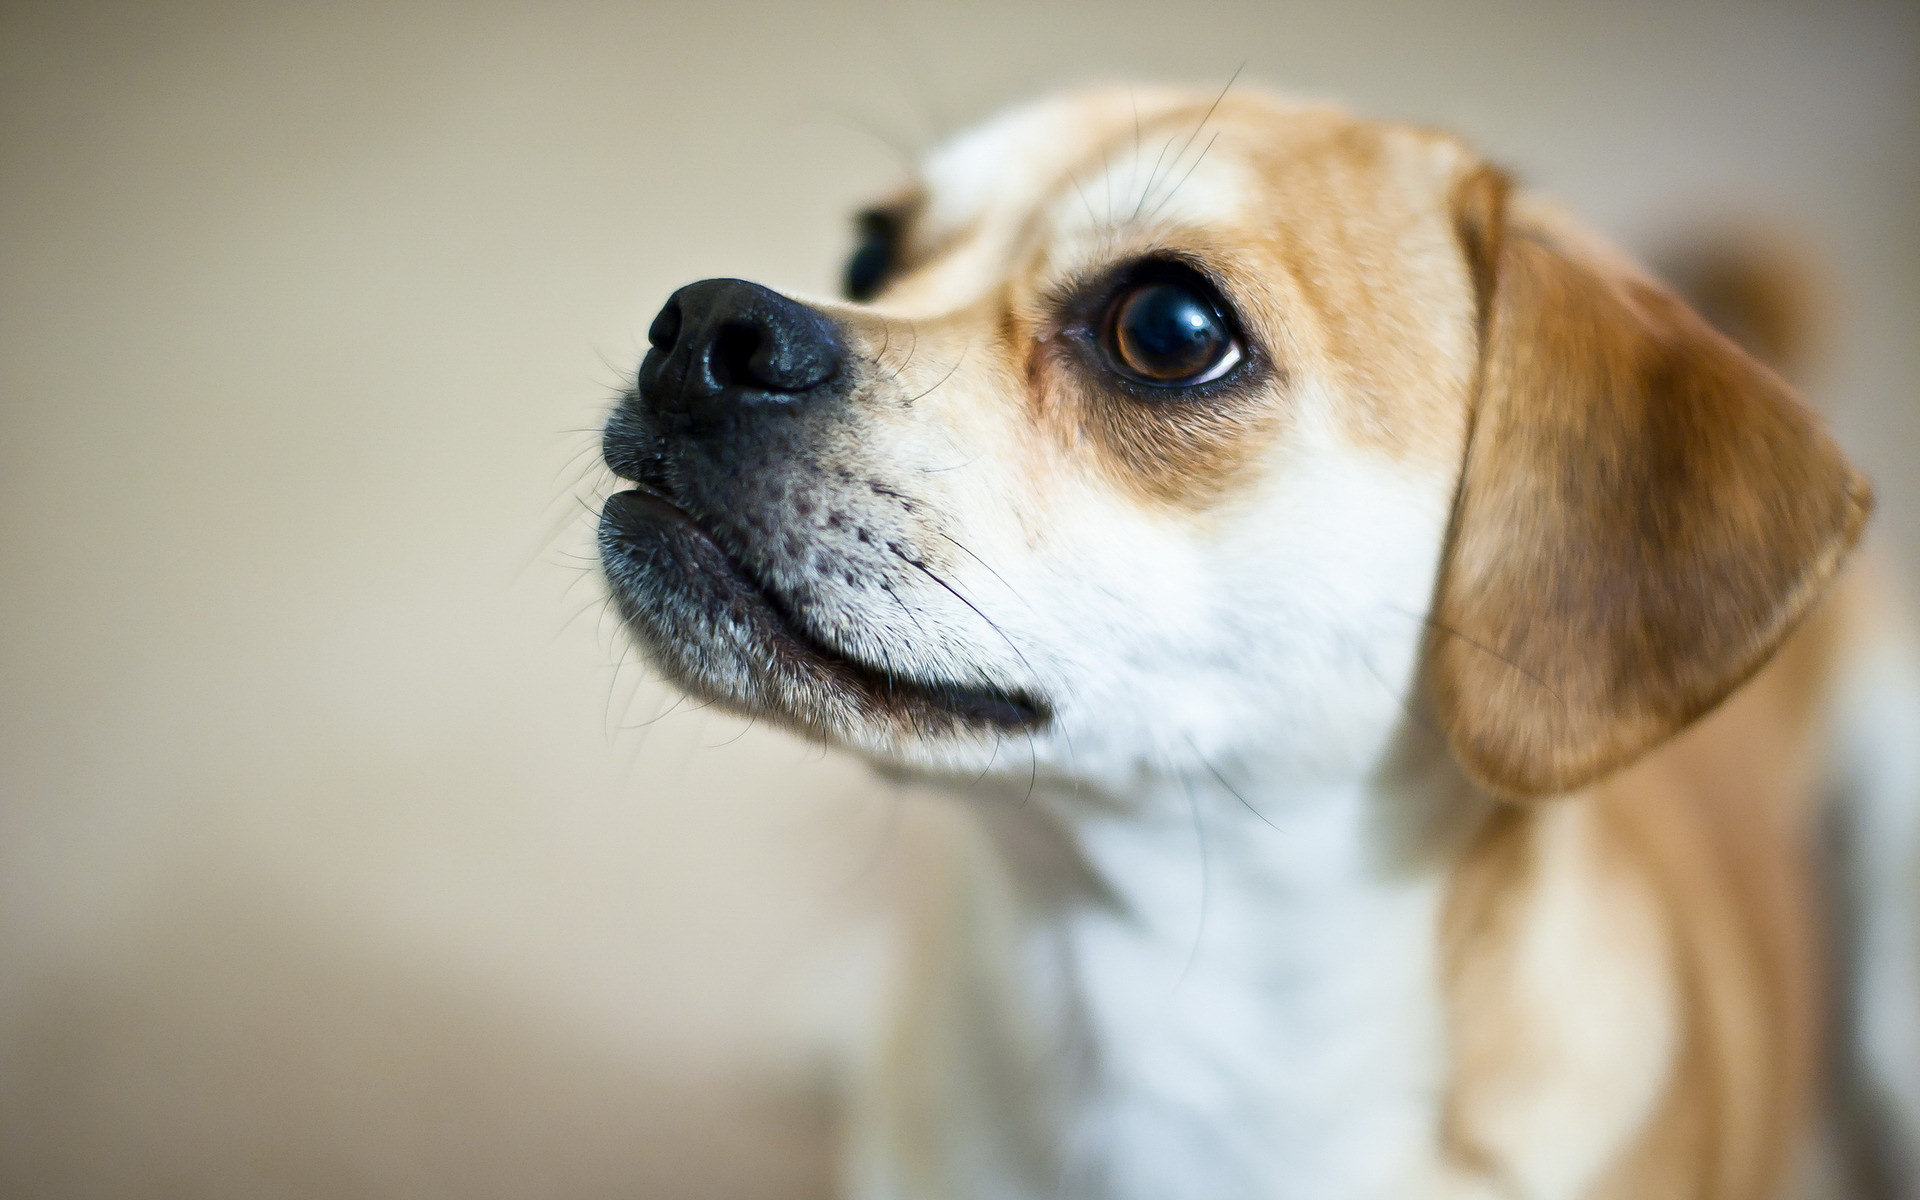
(1190, 948)
(1198, 958)
(1164, 995)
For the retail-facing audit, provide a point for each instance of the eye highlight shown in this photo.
(1164, 328)
(876, 253)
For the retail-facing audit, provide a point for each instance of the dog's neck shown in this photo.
(1176, 990)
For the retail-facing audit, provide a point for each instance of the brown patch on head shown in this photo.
(1361, 231)
(1177, 453)
(1645, 513)
(1175, 448)
(1179, 448)
(1330, 239)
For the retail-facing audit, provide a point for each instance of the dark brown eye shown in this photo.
(875, 254)
(1168, 332)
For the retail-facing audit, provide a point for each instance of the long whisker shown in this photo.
(984, 564)
(1033, 770)
(1231, 790)
(1162, 202)
(1204, 118)
(998, 740)
(904, 607)
(911, 401)
(1432, 622)
(1141, 201)
(1206, 884)
(956, 594)
(1133, 171)
(916, 86)
(847, 118)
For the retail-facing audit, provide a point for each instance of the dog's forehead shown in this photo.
(1007, 169)
(1055, 168)
(1112, 157)
(1013, 161)
(1333, 232)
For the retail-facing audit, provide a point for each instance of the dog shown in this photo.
(1385, 646)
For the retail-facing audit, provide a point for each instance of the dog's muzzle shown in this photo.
(754, 532)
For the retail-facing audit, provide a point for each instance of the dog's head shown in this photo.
(1158, 427)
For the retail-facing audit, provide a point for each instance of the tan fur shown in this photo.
(1566, 1016)
(1327, 191)
(1711, 833)
(1644, 514)
(1716, 828)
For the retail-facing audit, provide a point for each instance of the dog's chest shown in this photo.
(1245, 1011)
(1286, 1042)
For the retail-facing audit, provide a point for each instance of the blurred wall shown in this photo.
(340, 851)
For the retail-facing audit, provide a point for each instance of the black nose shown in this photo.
(723, 345)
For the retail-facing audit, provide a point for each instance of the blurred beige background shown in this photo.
(335, 859)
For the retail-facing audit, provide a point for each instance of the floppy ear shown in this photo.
(1644, 514)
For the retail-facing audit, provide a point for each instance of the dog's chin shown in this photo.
(723, 636)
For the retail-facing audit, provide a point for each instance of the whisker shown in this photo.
(1206, 884)
(613, 685)
(847, 119)
(584, 453)
(1106, 180)
(1141, 201)
(955, 593)
(558, 525)
(1074, 178)
(1231, 790)
(953, 467)
(915, 87)
(1133, 102)
(1162, 202)
(599, 602)
(1033, 770)
(904, 607)
(998, 740)
(984, 563)
(1431, 622)
(964, 351)
(751, 722)
(1204, 118)
(871, 859)
(913, 348)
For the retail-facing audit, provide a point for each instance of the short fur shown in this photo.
(1366, 814)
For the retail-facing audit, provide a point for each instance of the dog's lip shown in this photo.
(646, 507)
(645, 503)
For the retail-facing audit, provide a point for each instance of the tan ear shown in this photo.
(1645, 512)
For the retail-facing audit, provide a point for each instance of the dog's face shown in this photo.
(1154, 437)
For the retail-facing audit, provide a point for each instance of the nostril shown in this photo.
(735, 344)
(665, 328)
(721, 345)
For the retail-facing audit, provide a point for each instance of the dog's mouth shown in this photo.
(727, 636)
